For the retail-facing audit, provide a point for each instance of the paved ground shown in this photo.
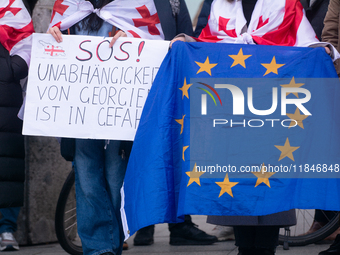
(161, 246)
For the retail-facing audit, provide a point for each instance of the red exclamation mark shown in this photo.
(140, 48)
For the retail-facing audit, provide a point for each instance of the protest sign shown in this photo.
(83, 88)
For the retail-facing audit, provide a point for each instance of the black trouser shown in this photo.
(257, 237)
(323, 216)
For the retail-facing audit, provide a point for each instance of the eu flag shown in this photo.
(231, 129)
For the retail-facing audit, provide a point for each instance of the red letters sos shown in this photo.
(104, 53)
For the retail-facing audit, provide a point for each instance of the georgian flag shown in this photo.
(137, 18)
(279, 22)
(16, 28)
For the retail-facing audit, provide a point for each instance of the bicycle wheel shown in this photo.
(66, 218)
(295, 235)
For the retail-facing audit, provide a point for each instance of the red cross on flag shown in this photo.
(52, 50)
(137, 18)
(16, 28)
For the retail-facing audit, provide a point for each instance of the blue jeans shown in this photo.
(99, 178)
(8, 222)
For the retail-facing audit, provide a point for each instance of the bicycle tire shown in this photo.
(318, 235)
(65, 242)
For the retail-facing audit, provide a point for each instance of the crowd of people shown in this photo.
(100, 164)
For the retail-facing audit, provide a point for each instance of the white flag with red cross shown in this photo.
(279, 22)
(16, 28)
(137, 18)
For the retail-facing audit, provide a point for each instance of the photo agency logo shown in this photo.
(240, 101)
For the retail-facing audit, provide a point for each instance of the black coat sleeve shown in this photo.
(19, 67)
(203, 17)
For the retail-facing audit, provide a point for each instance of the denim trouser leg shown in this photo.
(8, 222)
(99, 178)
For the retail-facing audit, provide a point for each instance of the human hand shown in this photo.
(180, 38)
(120, 33)
(328, 51)
(56, 33)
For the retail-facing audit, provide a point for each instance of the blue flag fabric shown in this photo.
(232, 129)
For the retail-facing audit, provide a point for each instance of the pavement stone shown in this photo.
(161, 246)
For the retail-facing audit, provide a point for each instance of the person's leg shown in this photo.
(8, 222)
(144, 236)
(323, 216)
(8, 225)
(245, 239)
(95, 221)
(266, 239)
(115, 168)
(187, 233)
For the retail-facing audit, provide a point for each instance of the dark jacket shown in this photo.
(316, 14)
(331, 30)
(202, 20)
(12, 153)
(173, 25)
(281, 219)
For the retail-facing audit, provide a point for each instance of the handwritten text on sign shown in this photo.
(82, 88)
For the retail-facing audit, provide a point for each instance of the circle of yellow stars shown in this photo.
(286, 149)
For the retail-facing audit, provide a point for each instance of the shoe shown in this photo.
(264, 252)
(8, 242)
(125, 246)
(223, 233)
(144, 236)
(188, 234)
(243, 251)
(334, 249)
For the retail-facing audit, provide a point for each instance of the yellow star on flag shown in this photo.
(293, 84)
(287, 150)
(185, 89)
(184, 149)
(226, 186)
(263, 176)
(181, 121)
(239, 59)
(272, 67)
(194, 176)
(298, 117)
(205, 67)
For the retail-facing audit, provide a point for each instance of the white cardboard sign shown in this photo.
(82, 88)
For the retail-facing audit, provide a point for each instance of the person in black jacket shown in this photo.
(12, 153)
(13, 68)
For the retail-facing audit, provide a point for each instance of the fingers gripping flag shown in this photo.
(137, 18)
(16, 28)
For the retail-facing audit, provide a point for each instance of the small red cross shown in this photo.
(59, 8)
(8, 8)
(222, 25)
(53, 50)
(261, 22)
(148, 20)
